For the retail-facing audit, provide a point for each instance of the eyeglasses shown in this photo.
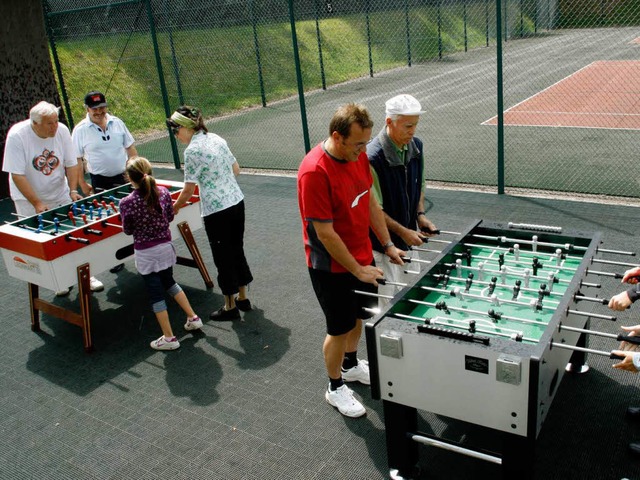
(175, 130)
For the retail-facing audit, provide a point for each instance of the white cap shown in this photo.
(403, 105)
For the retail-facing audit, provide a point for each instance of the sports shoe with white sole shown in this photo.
(359, 373)
(342, 398)
(193, 323)
(163, 344)
(95, 285)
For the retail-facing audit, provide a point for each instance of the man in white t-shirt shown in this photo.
(42, 165)
(106, 144)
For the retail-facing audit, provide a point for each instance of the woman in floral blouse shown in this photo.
(209, 163)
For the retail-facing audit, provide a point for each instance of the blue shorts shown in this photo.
(341, 306)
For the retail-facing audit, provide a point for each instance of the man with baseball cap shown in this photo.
(397, 165)
(105, 143)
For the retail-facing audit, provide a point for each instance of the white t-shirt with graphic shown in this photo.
(41, 160)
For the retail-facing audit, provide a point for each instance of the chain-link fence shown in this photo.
(563, 71)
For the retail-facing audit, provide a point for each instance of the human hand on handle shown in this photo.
(631, 276)
(627, 361)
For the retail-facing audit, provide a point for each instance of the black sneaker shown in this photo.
(117, 268)
(222, 315)
(244, 305)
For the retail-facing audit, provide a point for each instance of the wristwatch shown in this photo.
(388, 245)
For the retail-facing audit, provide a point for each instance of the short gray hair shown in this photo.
(42, 109)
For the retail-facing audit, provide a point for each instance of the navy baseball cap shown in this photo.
(95, 100)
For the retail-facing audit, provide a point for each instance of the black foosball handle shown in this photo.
(629, 339)
(444, 332)
(617, 357)
(432, 232)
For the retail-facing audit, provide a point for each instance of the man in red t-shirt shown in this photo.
(337, 210)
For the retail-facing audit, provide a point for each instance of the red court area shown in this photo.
(603, 94)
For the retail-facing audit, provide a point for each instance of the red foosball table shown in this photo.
(65, 246)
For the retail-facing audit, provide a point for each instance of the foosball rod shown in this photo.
(612, 262)
(604, 274)
(466, 325)
(499, 272)
(620, 337)
(413, 259)
(495, 260)
(490, 313)
(531, 226)
(533, 242)
(525, 253)
(488, 284)
(585, 350)
(428, 250)
(461, 294)
(478, 312)
(619, 252)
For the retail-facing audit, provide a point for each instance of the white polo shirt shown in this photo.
(41, 160)
(105, 152)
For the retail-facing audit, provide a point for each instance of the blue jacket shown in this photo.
(400, 184)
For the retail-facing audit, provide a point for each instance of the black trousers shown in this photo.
(225, 231)
(100, 182)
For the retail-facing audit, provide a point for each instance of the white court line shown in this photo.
(542, 91)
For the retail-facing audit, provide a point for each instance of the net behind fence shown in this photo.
(568, 75)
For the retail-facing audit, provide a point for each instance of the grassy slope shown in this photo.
(218, 69)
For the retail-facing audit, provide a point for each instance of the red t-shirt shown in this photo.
(331, 190)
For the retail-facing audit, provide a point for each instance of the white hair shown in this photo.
(393, 116)
(42, 109)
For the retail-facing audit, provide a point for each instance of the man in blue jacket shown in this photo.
(397, 166)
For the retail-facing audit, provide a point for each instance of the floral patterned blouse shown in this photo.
(208, 162)
(149, 228)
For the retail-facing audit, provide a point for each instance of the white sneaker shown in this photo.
(163, 344)
(359, 373)
(95, 285)
(193, 323)
(342, 398)
(63, 293)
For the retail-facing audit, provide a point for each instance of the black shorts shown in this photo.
(341, 306)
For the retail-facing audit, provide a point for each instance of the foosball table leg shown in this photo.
(402, 451)
(187, 236)
(35, 313)
(518, 457)
(578, 361)
(84, 296)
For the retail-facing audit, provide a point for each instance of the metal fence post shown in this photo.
(439, 30)
(464, 22)
(163, 86)
(256, 47)
(367, 8)
(500, 102)
(296, 56)
(317, 14)
(56, 61)
(408, 31)
(174, 62)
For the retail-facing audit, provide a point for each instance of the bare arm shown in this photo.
(82, 183)
(131, 151)
(185, 195)
(236, 168)
(379, 226)
(25, 188)
(73, 175)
